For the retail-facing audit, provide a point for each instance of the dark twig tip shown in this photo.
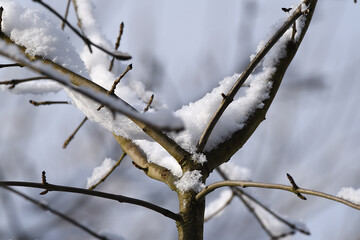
(286, 9)
(295, 187)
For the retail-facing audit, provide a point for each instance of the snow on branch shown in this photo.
(249, 111)
(116, 105)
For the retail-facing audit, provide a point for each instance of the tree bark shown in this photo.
(192, 225)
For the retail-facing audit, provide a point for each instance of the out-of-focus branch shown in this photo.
(55, 212)
(123, 199)
(10, 65)
(226, 149)
(244, 184)
(220, 208)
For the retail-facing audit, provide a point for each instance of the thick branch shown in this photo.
(226, 149)
(140, 160)
(119, 198)
(245, 184)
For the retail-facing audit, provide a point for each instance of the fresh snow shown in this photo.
(190, 180)
(350, 194)
(40, 36)
(156, 154)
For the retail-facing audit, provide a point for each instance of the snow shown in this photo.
(100, 172)
(35, 31)
(191, 180)
(235, 172)
(350, 194)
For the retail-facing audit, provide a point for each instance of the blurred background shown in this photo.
(181, 50)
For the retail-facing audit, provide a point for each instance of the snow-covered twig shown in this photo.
(70, 80)
(278, 62)
(232, 183)
(87, 41)
(108, 173)
(55, 212)
(116, 197)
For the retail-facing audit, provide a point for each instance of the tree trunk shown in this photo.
(192, 212)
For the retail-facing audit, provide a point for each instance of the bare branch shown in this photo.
(117, 44)
(220, 209)
(14, 82)
(244, 184)
(149, 103)
(108, 174)
(55, 212)
(36, 104)
(68, 140)
(120, 198)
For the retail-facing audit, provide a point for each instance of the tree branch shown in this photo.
(140, 159)
(55, 212)
(243, 195)
(123, 199)
(244, 184)
(226, 149)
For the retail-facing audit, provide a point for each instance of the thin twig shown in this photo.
(108, 174)
(250, 68)
(117, 44)
(66, 14)
(11, 65)
(14, 82)
(68, 140)
(36, 104)
(87, 41)
(115, 197)
(244, 184)
(1, 13)
(149, 103)
(55, 212)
